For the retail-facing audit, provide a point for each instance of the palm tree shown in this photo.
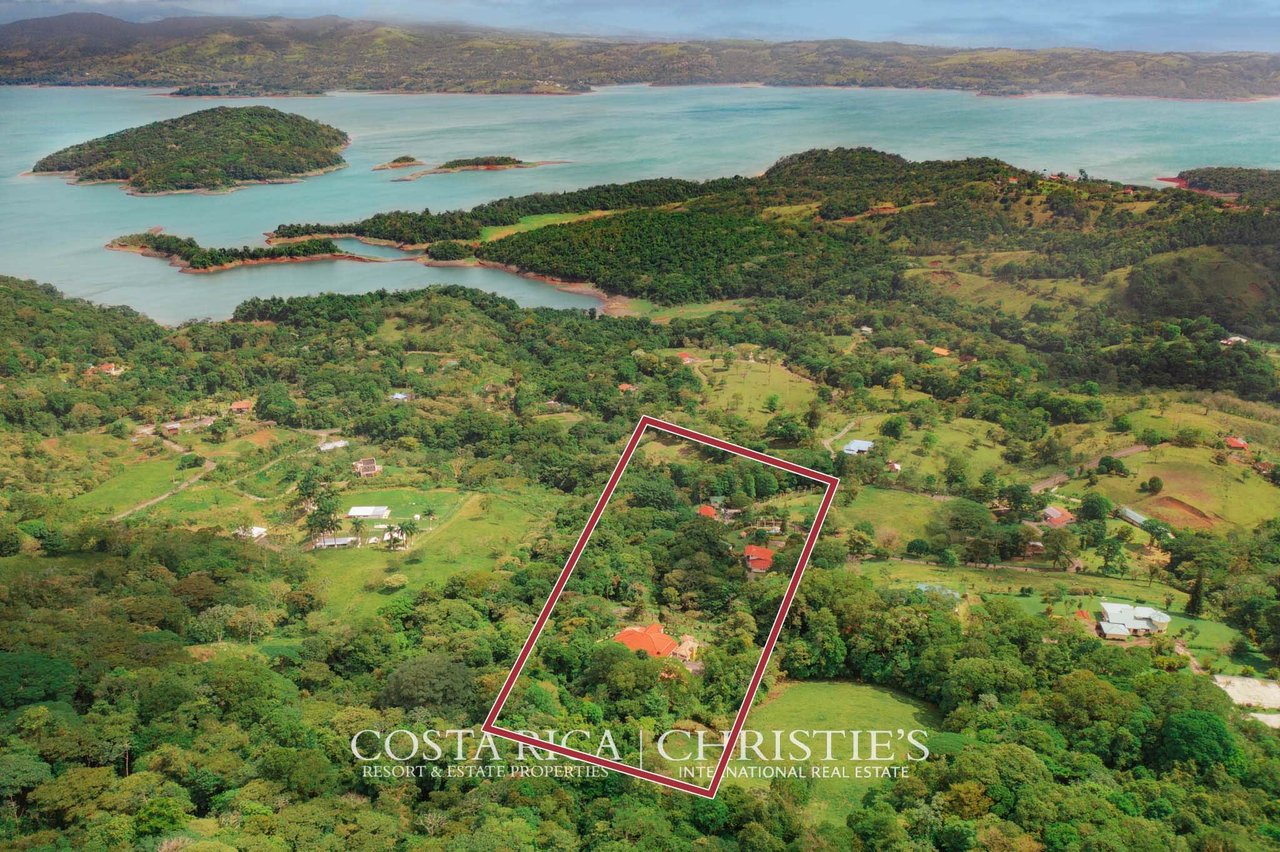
(357, 530)
(409, 529)
(395, 534)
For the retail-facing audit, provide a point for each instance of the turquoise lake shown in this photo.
(54, 232)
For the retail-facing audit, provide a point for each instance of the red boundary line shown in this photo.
(490, 725)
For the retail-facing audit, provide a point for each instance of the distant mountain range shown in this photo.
(210, 55)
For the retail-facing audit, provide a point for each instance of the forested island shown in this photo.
(478, 163)
(404, 161)
(203, 55)
(214, 149)
(190, 256)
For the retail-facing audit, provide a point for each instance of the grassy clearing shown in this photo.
(665, 314)
(1197, 493)
(898, 516)
(835, 705)
(471, 532)
(961, 437)
(532, 223)
(206, 505)
(967, 580)
(746, 387)
(1211, 421)
(138, 483)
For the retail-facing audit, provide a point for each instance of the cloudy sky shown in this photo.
(1110, 24)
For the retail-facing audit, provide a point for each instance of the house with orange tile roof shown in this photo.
(242, 406)
(759, 559)
(649, 639)
(1057, 517)
(707, 512)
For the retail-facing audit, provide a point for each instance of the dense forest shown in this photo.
(173, 685)
(333, 53)
(1254, 186)
(211, 149)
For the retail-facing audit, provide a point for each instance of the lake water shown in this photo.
(54, 232)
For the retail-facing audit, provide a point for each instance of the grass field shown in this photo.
(898, 516)
(138, 483)
(839, 706)
(961, 437)
(470, 532)
(664, 314)
(532, 223)
(1197, 493)
(746, 387)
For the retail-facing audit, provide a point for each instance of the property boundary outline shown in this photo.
(646, 422)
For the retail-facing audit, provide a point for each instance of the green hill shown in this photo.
(211, 149)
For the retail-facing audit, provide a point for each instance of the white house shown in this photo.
(857, 447)
(380, 513)
(1121, 620)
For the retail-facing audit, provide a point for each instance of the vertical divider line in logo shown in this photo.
(830, 482)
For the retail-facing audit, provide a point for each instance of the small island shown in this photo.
(216, 149)
(189, 256)
(404, 161)
(490, 163)
(482, 163)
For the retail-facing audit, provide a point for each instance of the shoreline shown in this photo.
(369, 241)
(610, 304)
(613, 305)
(74, 180)
(182, 266)
(167, 91)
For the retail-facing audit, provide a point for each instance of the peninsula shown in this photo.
(211, 150)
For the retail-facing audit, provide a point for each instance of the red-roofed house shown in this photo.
(1237, 443)
(242, 406)
(626, 387)
(1057, 517)
(707, 511)
(685, 357)
(649, 639)
(940, 351)
(759, 559)
(107, 368)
